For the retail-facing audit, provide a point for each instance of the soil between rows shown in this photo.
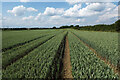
(67, 69)
(61, 63)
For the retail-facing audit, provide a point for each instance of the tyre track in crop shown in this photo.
(115, 69)
(62, 58)
(55, 70)
(27, 52)
(20, 44)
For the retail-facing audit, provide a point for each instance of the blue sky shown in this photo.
(49, 14)
(40, 6)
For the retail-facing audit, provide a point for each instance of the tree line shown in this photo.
(101, 27)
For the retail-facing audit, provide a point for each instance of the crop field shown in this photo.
(60, 53)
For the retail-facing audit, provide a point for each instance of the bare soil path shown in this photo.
(67, 69)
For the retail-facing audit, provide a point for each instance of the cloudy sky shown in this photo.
(25, 13)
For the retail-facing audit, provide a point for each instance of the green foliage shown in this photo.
(100, 27)
(105, 43)
(117, 25)
(54, 27)
(85, 64)
(21, 50)
(10, 38)
(43, 61)
(37, 63)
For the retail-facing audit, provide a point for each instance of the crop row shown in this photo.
(11, 38)
(105, 43)
(85, 64)
(56, 68)
(20, 44)
(20, 51)
(37, 63)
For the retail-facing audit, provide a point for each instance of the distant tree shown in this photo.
(64, 27)
(54, 27)
(77, 26)
(117, 25)
(99, 27)
(71, 26)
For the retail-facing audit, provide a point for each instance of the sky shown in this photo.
(26, 13)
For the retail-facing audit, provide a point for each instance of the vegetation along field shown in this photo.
(60, 53)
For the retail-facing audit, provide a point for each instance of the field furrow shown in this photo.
(67, 68)
(56, 69)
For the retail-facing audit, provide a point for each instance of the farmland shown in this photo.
(60, 53)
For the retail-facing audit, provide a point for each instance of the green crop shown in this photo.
(11, 38)
(22, 50)
(105, 43)
(84, 62)
(37, 63)
(42, 52)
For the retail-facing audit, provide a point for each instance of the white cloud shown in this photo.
(89, 10)
(55, 17)
(53, 11)
(87, 3)
(38, 16)
(92, 9)
(75, 7)
(73, 11)
(0, 16)
(18, 10)
(108, 16)
(80, 20)
(73, 1)
(75, 15)
(119, 11)
(79, 1)
(0, 20)
(109, 6)
(32, 9)
(24, 0)
(50, 13)
(21, 10)
(4, 18)
(96, 7)
(27, 18)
